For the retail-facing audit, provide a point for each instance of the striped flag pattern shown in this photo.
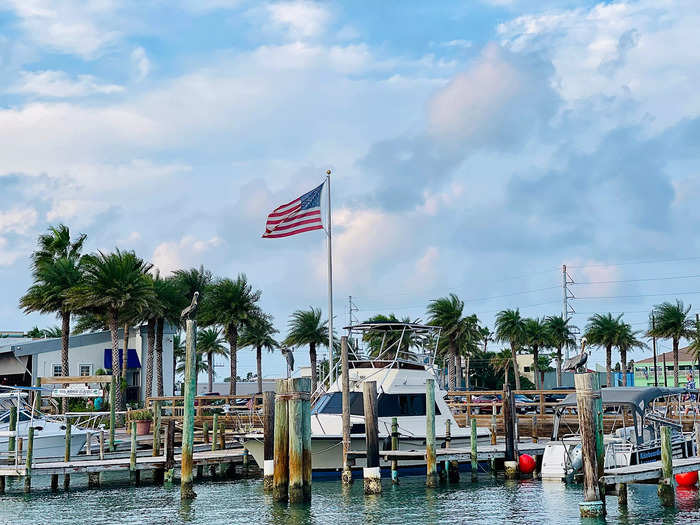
(301, 215)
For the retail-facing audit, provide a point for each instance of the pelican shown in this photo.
(191, 310)
(578, 362)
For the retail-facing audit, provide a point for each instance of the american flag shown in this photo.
(301, 215)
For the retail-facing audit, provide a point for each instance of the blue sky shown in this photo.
(476, 147)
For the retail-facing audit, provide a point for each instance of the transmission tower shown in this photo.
(566, 308)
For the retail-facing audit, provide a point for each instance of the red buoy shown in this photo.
(687, 479)
(527, 464)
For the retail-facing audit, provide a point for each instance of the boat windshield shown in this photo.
(332, 403)
(21, 416)
(388, 405)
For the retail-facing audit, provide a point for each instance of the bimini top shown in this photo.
(638, 396)
(392, 326)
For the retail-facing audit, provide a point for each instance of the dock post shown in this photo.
(297, 389)
(158, 472)
(665, 488)
(621, 494)
(112, 414)
(12, 440)
(2, 485)
(535, 437)
(186, 481)
(37, 395)
(269, 440)
(307, 469)
(494, 424)
(170, 451)
(28, 461)
(205, 432)
(453, 464)
(395, 447)
(345, 386)
(66, 456)
(280, 476)
(510, 464)
(587, 391)
(54, 482)
(474, 454)
(102, 444)
(133, 473)
(371, 473)
(214, 432)
(430, 458)
(93, 480)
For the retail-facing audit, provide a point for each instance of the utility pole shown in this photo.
(653, 345)
(567, 294)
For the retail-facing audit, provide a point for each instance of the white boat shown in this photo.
(49, 432)
(635, 437)
(401, 367)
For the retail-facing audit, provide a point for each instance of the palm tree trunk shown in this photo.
(159, 355)
(535, 352)
(210, 371)
(623, 365)
(466, 374)
(608, 365)
(506, 380)
(258, 357)
(675, 361)
(150, 341)
(126, 351)
(65, 338)
(458, 370)
(312, 358)
(559, 366)
(451, 365)
(233, 359)
(516, 370)
(116, 373)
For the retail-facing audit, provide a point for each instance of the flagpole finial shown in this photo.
(328, 172)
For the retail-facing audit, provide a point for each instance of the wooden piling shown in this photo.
(66, 456)
(54, 482)
(37, 395)
(133, 473)
(102, 444)
(394, 446)
(306, 444)
(186, 477)
(2, 485)
(156, 428)
(535, 436)
(474, 454)
(214, 431)
(280, 477)
(269, 440)
(510, 464)
(452, 466)
(170, 451)
(665, 488)
(494, 424)
(93, 480)
(12, 440)
(222, 436)
(28, 461)
(298, 388)
(371, 473)
(621, 489)
(587, 390)
(430, 458)
(345, 382)
(205, 432)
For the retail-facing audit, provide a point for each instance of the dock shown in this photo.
(651, 472)
(484, 453)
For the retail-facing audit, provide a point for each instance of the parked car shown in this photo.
(524, 404)
(486, 400)
(556, 397)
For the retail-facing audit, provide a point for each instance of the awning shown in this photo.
(11, 365)
(132, 358)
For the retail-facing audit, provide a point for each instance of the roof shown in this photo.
(685, 355)
(638, 396)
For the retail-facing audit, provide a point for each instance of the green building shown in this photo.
(687, 363)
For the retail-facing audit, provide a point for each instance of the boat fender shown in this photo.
(577, 458)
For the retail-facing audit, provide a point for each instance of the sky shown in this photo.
(475, 148)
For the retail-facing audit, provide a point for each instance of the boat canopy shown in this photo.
(638, 397)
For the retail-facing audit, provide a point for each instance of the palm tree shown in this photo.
(53, 332)
(56, 269)
(231, 304)
(446, 312)
(210, 343)
(625, 340)
(536, 337)
(178, 353)
(114, 283)
(306, 328)
(671, 321)
(471, 335)
(510, 328)
(259, 334)
(561, 335)
(395, 341)
(171, 301)
(501, 362)
(602, 330)
(200, 365)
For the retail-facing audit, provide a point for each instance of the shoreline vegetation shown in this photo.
(119, 289)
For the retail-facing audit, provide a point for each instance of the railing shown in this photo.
(237, 416)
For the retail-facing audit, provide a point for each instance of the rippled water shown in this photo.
(486, 502)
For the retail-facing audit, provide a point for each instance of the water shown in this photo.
(243, 502)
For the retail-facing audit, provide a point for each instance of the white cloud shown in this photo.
(172, 255)
(17, 220)
(78, 211)
(58, 84)
(69, 26)
(458, 43)
(426, 266)
(300, 19)
(141, 63)
(8, 255)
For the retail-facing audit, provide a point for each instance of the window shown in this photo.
(333, 404)
(390, 405)
(528, 369)
(56, 370)
(85, 370)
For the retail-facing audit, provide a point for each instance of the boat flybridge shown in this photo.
(49, 431)
(635, 437)
(399, 357)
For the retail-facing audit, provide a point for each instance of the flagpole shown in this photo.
(330, 281)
